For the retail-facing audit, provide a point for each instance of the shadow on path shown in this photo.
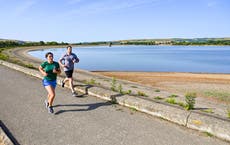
(89, 107)
(8, 133)
(86, 89)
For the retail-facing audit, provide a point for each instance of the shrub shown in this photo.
(190, 100)
(90, 82)
(134, 86)
(181, 104)
(120, 89)
(173, 96)
(208, 110)
(29, 66)
(128, 92)
(139, 93)
(113, 84)
(228, 112)
(3, 57)
(157, 90)
(171, 100)
(158, 98)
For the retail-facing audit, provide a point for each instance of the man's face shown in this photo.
(69, 49)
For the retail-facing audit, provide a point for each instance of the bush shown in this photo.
(120, 89)
(157, 90)
(228, 112)
(171, 100)
(139, 93)
(113, 84)
(3, 57)
(190, 100)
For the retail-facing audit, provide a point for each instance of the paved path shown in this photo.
(81, 121)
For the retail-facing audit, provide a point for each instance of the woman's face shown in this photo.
(50, 58)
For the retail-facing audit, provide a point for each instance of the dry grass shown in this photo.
(213, 86)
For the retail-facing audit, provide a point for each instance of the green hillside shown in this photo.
(170, 41)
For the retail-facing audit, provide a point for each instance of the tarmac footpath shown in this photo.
(81, 120)
(217, 126)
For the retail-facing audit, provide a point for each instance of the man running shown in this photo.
(67, 62)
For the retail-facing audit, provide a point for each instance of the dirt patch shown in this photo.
(212, 86)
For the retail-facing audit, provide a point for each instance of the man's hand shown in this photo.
(63, 65)
(76, 60)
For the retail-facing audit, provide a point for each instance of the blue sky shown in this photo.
(107, 20)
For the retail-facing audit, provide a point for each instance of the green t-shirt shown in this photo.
(48, 68)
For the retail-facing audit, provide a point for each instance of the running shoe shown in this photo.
(46, 103)
(50, 109)
(74, 94)
(62, 84)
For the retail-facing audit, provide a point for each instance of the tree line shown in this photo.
(6, 44)
(209, 42)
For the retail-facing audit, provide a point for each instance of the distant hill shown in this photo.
(177, 41)
(163, 41)
(13, 40)
(180, 39)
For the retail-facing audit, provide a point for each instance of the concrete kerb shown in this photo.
(217, 126)
(4, 139)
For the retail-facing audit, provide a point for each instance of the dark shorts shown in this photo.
(69, 73)
(49, 83)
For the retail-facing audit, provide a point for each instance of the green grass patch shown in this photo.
(128, 92)
(220, 95)
(228, 112)
(173, 96)
(134, 86)
(208, 110)
(133, 109)
(181, 104)
(4, 57)
(157, 90)
(158, 98)
(171, 100)
(139, 93)
(90, 82)
(208, 134)
(30, 66)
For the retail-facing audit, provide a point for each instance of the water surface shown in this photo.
(205, 59)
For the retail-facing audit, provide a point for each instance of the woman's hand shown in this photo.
(44, 74)
(57, 70)
(42, 71)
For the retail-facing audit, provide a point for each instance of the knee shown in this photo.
(52, 95)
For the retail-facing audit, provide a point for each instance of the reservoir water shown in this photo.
(199, 59)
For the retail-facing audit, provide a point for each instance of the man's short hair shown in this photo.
(69, 46)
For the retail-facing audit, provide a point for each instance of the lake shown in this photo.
(199, 59)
